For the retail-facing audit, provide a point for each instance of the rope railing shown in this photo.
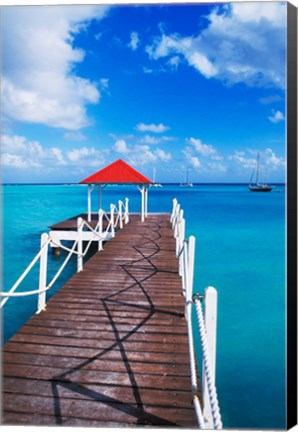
(76, 249)
(207, 413)
(8, 294)
(209, 375)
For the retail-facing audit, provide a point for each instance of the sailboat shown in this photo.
(154, 180)
(258, 186)
(186, 182)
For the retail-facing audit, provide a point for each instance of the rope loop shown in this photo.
(198, 296)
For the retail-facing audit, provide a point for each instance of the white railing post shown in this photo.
(41, 302)
(89, 203)
(126, 220)
(173, 211)
(80, 244)
(190, 274)
(112, 208)
(185, 267)
(120, 214)
(181, 244)
(100, 226)
(179, 233)
(176, 220)
(210, 317)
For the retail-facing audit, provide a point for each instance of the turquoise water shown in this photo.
(240, 249)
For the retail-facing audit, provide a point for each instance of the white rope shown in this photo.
(193, 369)
(182, 255)
(116, 221)
(207, 368)
(11, 292)
(60, 245)
(63, 265)
(199, 413)
(192, 358)
(90, 227)
(24, 274)
(24, 293)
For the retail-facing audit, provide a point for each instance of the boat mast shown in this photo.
(257, 176)
(154, 175)
(186, 175)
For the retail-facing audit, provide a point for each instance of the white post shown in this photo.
(99, 197)
(112, 219)
(80, 245)
(173, 211)
(89, 203)
(120, 214)
(176, 220)
(178, 231)
(100, 220)
(185, 268)
(210, 325)
(41, 303)
(146, 201)
(190, 274)
(126, 220)
(143, 204)
(181, 242)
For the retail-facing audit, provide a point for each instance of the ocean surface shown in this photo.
(240, 250)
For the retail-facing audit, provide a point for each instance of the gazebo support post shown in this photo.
(146, 201)
(142, 190)
(89, 202)
(99, 197)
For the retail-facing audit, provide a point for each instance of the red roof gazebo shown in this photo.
(118, 172)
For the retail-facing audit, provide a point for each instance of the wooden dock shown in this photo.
(111, 349)
(71, 223)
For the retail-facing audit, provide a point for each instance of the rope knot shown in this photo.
(198, 296)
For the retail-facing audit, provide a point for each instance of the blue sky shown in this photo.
(165, 87)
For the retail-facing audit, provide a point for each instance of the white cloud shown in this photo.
(174, 62)
(243, 42)
(134, 41)
(242, 160)
(153, 140)
(104, 83)
(19, 152)
(272, 161)
(192, 160)
(140, 154)
(39, 82)
(160, 128)
(74, 136)
(204, 149)
(162, 155)
(195, 162)
(120, 146)
(276, 117)
(205, 162)
(260, 12)
(267, 158)
(86, 156)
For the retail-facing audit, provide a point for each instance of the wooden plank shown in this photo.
(43, 388)
(111, 347)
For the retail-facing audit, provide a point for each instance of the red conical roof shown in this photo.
(117, 172)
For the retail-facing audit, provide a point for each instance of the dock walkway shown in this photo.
(111, 348)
